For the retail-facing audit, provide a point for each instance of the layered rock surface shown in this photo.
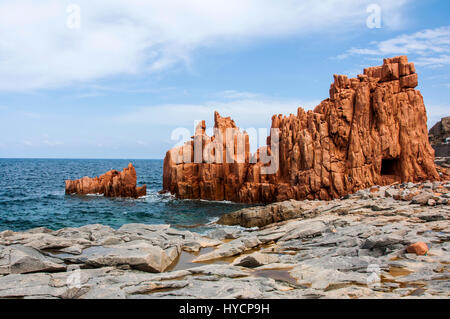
(357, 247)
(111, 184)
(371, 131)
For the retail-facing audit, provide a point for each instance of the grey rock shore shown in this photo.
(347, 248)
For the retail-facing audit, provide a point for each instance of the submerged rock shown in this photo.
(111, 184)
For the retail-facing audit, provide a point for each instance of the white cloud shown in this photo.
(251, 115)
(52, 143)
(247, 113)
(32, 115)
(431, 47)
(232, 94)
(38, 50)
(35, 141)
(434, 62)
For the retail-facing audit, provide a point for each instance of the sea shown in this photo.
(32, 194)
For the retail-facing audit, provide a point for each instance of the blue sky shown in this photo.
(118, 83)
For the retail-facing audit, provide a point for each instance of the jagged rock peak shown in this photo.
(371, 131)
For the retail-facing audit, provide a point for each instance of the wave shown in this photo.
(222, 202)
(31, 198)
(41, 200)
(154, 196)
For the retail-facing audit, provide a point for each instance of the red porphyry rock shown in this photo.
(371, 131)
(419, 248)
(111, 184)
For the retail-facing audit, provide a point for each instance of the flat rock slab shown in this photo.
(21, 260)
(232, 248)
(138, 255)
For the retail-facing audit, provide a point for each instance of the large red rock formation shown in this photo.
(371, 131)
(111, 184)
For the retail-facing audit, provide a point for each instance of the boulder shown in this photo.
(422, 198)
(383, 242)
(255, 260)
(419, 248)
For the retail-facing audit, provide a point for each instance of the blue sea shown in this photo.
(32, 195)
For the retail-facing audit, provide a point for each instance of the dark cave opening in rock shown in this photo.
(389, 167)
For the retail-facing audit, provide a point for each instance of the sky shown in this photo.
(116, 79)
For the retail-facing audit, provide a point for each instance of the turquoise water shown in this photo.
(32, 195)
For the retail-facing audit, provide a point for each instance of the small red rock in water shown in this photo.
(111, 184)
(419, 248)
